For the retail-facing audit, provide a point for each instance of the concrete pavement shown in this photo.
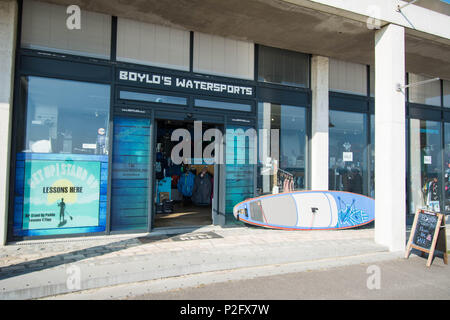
(40, 269)
(399, 279)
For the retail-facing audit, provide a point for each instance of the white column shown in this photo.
(320, 123)
(8, 24)
(390, 140)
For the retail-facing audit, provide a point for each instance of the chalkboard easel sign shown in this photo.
(428, 234)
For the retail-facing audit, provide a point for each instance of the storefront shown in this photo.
(98, 111)
(351, 119)
(95, 114)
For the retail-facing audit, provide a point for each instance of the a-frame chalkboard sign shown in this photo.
(428, 234)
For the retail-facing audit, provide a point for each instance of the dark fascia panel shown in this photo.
(286, 97)
(50, 67)
(424, 113)
(343, 101)
(447, 115)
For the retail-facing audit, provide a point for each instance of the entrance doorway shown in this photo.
(183, 191)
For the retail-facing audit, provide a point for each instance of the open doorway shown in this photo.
(184, 192)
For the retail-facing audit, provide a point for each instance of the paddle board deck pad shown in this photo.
(307, 210)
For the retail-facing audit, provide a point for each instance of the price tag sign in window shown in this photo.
(347, 157)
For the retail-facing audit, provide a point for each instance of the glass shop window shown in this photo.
(428, 93)
(222, 105)
(348, 77)
(65, 117)
(447, 168)
(288, 143)
(283, 66)
(425, 165)
(44, 27)
(155, 98)
(348, 152)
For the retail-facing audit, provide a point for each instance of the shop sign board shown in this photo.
(428, 234)
(61, 194)
(183, 83)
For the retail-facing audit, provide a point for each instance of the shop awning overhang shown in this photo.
(306, 26)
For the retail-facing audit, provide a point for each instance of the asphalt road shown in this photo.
(388, 280)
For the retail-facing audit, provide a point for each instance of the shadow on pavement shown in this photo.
(100, 250)
(77, 255)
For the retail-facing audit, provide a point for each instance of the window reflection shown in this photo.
(156, 98)
(348, 152)
(64, 116)
(348, 77)
(222, 105)
(427, 93)
(290, 121)
(447, 168)
(372, 156)
(446, 93)
(425, 163)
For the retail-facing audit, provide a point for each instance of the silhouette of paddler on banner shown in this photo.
(62, 212)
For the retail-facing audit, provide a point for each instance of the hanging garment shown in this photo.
(286, 185)
(291, 185)
(186, 184)
(201, 193)
(434, 191)
(427, 192)
(175, 179)
(299, 181)
(356, 183)
(160, 165)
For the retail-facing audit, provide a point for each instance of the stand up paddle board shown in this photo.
(307, 210)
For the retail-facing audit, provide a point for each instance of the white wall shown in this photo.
(221, 56)
(44, 26)
(8, 22)
(348, 77)
(390, 140)
(320, 122)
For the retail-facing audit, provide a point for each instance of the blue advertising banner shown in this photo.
(60, 194)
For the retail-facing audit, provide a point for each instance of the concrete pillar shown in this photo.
(390, 140)
(8, 26)
(320, 122)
